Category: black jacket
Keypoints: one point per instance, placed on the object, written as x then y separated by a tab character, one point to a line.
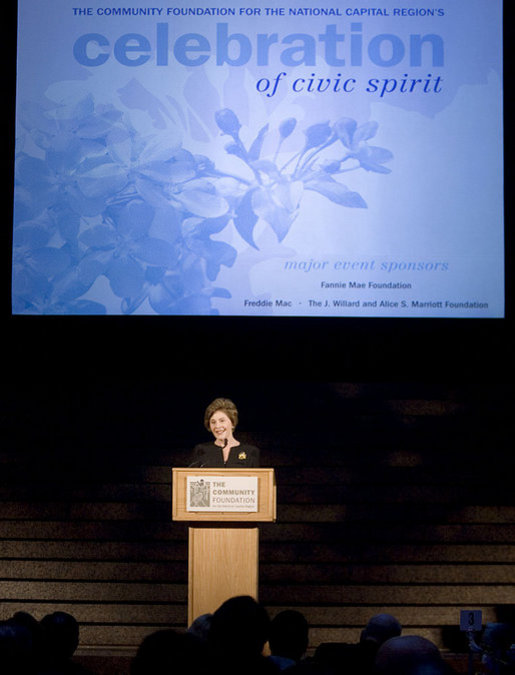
209	455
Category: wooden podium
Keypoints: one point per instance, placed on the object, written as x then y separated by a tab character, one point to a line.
223	551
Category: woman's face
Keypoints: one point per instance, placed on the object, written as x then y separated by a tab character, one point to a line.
220	425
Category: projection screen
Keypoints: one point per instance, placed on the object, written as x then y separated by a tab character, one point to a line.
319	159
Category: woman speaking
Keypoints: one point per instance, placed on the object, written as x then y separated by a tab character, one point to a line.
221	418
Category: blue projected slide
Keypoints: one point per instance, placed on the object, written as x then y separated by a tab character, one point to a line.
317	159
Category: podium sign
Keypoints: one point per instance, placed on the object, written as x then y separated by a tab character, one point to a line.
213	494
264	479
223	552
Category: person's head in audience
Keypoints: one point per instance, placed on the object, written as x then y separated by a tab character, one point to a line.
239	629
409	655
169	652
380	628
360	657
16	648
27	620
496	641
59	637
288	636
200	626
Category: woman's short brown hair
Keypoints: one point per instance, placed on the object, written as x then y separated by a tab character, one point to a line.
226	406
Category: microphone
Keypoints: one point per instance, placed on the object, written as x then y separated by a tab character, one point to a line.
225	442
197	463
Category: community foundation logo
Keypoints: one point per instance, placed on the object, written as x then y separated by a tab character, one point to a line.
200	493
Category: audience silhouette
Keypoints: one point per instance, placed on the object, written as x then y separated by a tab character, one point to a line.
16	649
59	640
288	638
240	628
410	655
29	647
359	657
232	640
170	652
200	626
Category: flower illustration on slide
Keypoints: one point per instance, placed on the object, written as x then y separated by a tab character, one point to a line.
99	204
275	192
109	219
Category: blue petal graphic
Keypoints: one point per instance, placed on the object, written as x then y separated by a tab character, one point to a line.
336	192
126	277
